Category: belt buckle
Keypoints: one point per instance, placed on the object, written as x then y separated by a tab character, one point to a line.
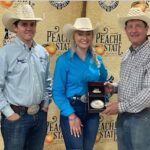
33	109
83	98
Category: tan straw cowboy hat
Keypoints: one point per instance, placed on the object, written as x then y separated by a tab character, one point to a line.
134	13
23	12
81	24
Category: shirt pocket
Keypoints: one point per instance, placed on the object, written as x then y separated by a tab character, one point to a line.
21	65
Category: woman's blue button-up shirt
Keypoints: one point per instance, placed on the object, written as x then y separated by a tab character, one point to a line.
71	76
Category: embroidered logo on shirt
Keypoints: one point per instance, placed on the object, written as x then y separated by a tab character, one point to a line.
21	60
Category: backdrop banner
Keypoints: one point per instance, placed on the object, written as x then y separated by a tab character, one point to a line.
49	34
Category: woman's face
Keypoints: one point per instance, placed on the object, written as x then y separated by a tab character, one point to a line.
83	39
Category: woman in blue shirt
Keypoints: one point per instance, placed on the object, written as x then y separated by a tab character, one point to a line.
73	70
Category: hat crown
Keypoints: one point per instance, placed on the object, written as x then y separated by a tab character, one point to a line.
24	11
83	24
135	12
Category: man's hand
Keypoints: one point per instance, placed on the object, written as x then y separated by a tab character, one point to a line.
111	108
13	117
45	109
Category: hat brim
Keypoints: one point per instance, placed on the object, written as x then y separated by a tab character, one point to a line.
68	30
123	20
8	20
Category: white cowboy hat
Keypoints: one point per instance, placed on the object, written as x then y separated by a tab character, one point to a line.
81	24
134	13
23	12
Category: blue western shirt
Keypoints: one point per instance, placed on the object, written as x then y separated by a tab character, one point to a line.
24	76
71	76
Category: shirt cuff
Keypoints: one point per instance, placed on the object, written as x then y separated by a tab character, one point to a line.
67	113
46	103
121	107
115	87
7	111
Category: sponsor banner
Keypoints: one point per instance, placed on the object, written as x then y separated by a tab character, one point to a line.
110	42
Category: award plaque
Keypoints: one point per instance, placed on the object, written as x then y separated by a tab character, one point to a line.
96	97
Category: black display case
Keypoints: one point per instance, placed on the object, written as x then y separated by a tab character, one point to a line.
96	97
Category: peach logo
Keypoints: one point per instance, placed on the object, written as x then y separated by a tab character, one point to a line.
49	138
51	48
6	3
140	4
99	49
98	137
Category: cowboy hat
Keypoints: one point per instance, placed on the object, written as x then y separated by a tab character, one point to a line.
134	13
23	12
80	24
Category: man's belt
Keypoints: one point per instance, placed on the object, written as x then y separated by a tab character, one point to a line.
82	98
31	110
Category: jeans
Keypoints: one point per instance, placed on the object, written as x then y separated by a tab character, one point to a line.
90	123
26	133
133	131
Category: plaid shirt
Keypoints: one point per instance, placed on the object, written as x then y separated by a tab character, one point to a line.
134	84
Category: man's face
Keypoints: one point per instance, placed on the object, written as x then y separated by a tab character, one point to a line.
25	30
136	31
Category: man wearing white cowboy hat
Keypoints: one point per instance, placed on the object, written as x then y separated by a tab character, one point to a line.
24	84
73	70
133	106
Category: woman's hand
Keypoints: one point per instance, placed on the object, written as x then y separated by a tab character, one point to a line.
75	125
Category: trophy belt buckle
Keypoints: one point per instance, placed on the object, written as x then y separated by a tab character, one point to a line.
82	98
33	109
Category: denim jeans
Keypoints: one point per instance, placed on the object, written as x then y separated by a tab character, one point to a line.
89	130
26	133
133	131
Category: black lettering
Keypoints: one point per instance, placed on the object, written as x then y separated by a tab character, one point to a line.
48	35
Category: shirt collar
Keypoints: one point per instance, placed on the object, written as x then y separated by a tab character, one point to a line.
21	43
73	52
138	48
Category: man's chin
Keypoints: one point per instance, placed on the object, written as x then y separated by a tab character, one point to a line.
29	38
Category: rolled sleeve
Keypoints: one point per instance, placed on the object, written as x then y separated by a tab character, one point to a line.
7	111
121	107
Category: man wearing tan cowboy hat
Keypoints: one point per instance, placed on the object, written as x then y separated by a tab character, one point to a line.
133	106
24	84
73	70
